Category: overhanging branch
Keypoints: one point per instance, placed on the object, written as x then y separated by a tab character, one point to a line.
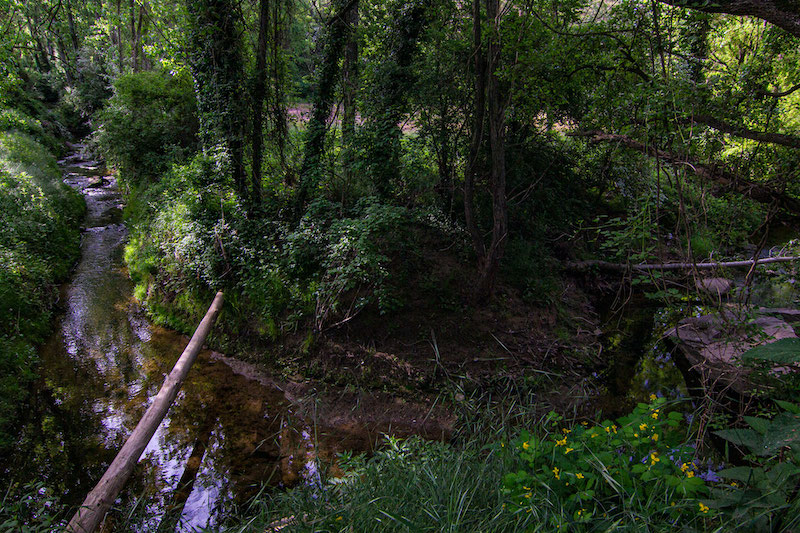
757	191
782	139
777	12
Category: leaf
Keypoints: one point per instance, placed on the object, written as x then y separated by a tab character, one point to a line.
784	431
781	473
783	351
788	406
743	437
745	474
759	424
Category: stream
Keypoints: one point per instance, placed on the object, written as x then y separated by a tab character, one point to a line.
229	432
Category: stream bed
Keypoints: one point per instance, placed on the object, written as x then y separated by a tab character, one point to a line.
229	432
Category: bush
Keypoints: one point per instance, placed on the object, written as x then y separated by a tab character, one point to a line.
149	123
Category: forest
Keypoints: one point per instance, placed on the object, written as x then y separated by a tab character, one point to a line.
519	265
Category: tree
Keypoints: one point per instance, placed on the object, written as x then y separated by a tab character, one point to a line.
217	68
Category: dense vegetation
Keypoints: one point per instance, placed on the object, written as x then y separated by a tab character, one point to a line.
39	218
370	177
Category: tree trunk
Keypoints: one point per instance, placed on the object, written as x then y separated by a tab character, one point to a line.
65	61
471	171
120	51
139	33
72	32
350	86
134	38
395	78
278	83
496	119
336	33
259	90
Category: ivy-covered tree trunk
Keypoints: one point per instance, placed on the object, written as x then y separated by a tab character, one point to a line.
335	36
389	98
259	92
216	63
350	86
280	14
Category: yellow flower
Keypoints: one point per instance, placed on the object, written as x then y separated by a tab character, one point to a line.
684	467
555	473
528	495
642	427
614	429
608	430
568	450
525	445
338	518
562	442
734	484
655	437
635	434
690	474
703	508
654	458
655	414
584	423
653	397
579	475
565	430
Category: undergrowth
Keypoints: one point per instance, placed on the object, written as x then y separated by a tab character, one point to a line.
39	239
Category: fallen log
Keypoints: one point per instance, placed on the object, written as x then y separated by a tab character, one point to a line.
580	266
100	499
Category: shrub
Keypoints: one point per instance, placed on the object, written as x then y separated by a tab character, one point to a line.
149	123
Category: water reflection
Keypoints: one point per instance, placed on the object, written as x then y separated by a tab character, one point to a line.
225	435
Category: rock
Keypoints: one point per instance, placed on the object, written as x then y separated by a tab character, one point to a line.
716	287
711	345
97	182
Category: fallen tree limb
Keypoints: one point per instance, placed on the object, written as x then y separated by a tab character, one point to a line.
580	266
724	177
99	500
783	139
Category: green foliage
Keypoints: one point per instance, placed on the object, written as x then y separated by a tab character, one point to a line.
190	237
31	508
763	495
408	485
642	465
148	124
39	241
783	352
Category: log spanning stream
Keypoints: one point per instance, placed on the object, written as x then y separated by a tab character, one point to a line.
227	433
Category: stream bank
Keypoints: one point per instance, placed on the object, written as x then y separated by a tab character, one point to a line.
232	428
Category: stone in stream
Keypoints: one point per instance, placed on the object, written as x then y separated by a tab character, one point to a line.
709	347
96	182
716	287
